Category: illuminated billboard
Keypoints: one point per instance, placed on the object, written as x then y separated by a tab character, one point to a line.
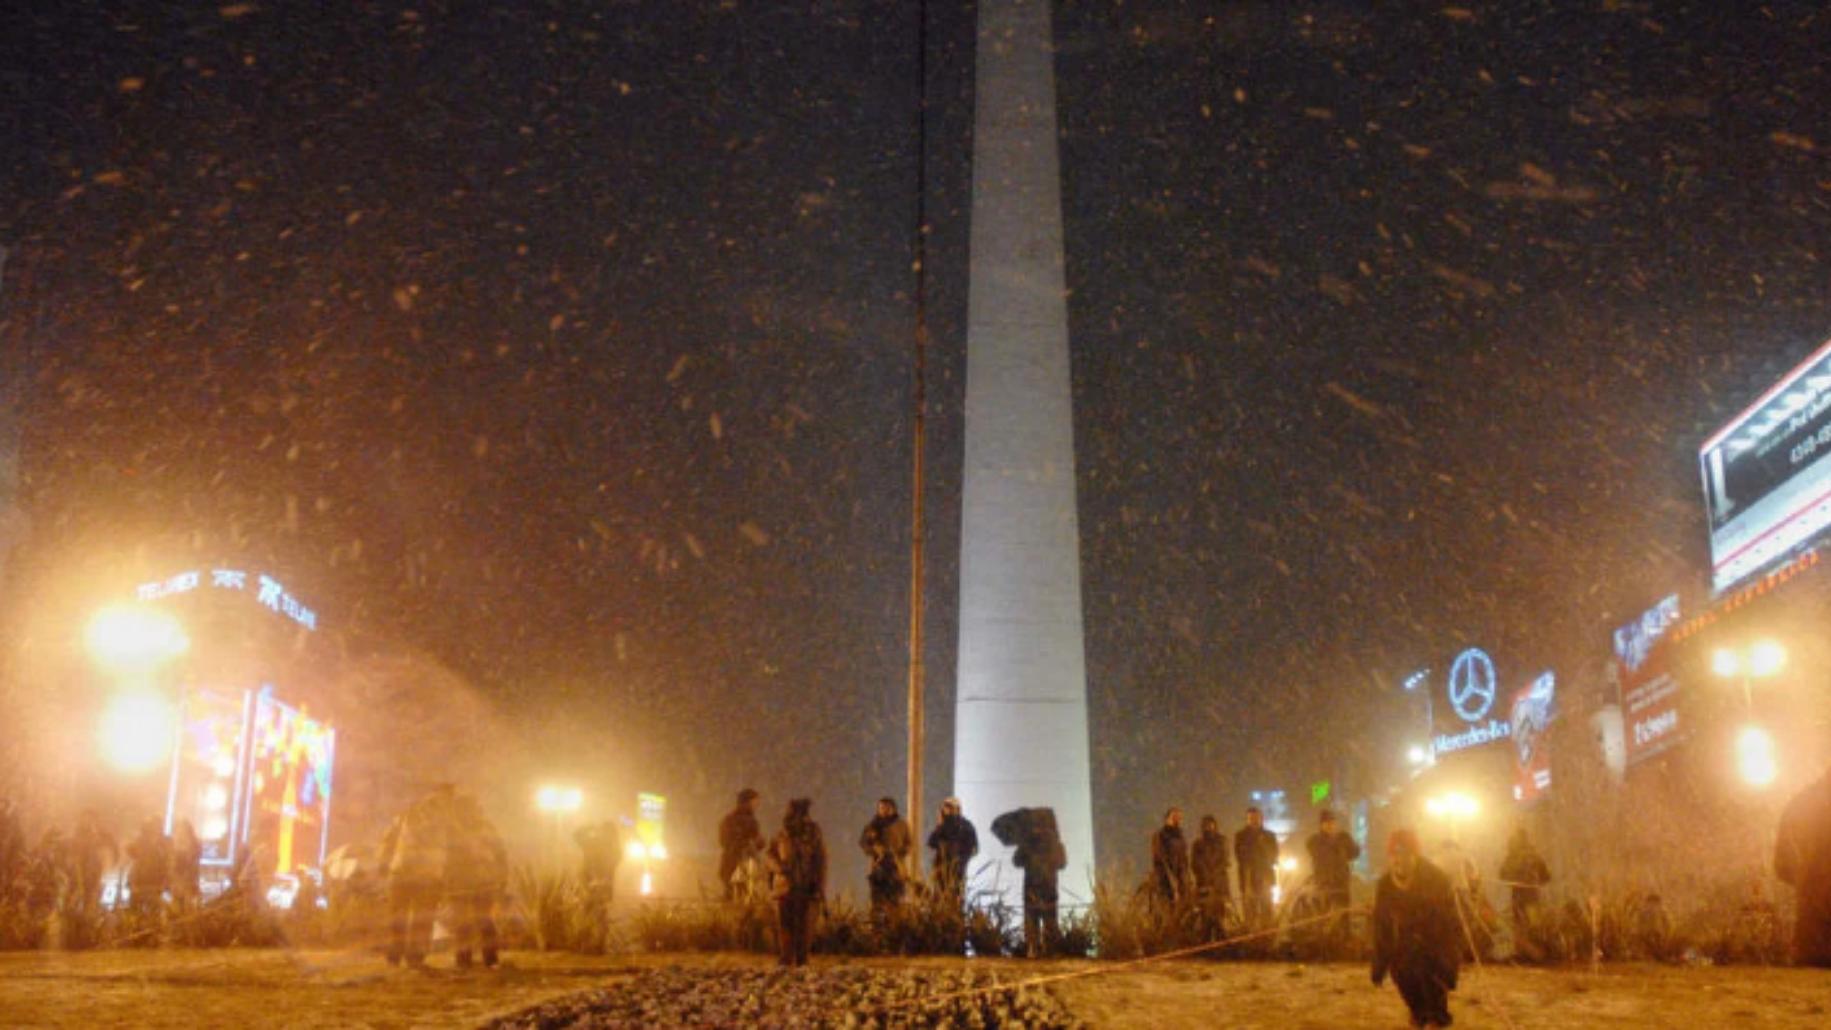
207	770
1534	707
288	796
1767	474
1468	714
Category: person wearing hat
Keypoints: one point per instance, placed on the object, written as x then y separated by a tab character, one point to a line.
1416	936
954	842
739	839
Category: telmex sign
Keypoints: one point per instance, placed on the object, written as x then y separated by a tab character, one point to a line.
1767	474
267	591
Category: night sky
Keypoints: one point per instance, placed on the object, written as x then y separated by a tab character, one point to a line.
568	344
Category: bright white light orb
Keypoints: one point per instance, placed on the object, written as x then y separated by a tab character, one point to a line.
136	732
125	637
1757	759
1766	658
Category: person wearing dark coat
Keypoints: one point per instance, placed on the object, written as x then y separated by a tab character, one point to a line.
1802	858
888	844
1416	939
1523	871
92	851
1332	852
1208	865
797	862
151	869
1042	857
1170	859
740	838
954	842
1255	850
187	865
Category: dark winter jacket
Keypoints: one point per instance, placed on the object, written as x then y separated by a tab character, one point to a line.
1170	862
477	862
739	837
954	842
1255	848
797	860
1039	853
1802	857
1208	861
151	856
1415	929
1330	856
888	844
1525	871
600	853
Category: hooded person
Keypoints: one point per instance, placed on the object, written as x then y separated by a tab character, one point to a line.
797	862
1170	859
476	877
888	844
1416	939
954	842
1802	858
740	838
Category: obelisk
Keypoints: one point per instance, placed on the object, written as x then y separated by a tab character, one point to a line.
1020	718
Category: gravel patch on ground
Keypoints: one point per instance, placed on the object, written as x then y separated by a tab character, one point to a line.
833	996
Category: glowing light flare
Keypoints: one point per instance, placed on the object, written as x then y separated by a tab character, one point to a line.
556	799
1288	864
658	851
136	732
1454	805
1416	755
648	883
1726	663
636	851
1766	658
1757	758
126	637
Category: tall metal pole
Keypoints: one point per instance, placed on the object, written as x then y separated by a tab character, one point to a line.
919	479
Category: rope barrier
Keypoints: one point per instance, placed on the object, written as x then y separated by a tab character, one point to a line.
1114	967
1469	935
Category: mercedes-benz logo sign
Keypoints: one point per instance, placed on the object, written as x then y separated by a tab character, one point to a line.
1471	684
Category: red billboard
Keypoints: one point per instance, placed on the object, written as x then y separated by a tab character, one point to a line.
1534	707
1649	691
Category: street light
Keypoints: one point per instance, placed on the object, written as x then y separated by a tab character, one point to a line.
129	638
136	731
556	800
1452	806
1416	755
1757	758
1762	659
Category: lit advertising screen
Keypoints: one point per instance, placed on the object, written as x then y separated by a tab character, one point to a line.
206	770
289	784
1534	707
1767	474
1469	710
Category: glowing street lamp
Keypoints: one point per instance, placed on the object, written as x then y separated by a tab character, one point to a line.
1416	755
1453	806
1762	659
556	800
136	731
1757	757
133	639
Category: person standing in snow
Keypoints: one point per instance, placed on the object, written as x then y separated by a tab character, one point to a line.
1802	858
797	861
1170	860
1255	849
1416	939
954	842
740	838
888	843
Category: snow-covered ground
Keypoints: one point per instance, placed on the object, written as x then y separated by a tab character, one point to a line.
343	989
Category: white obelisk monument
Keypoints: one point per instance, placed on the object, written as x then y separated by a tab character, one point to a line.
1020	729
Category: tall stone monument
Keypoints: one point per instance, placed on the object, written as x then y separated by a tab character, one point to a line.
1020	729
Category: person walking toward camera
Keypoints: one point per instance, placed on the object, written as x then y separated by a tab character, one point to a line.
1415	936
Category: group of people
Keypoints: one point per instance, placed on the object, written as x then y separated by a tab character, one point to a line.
443	851
68	874
1197	874
791	867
